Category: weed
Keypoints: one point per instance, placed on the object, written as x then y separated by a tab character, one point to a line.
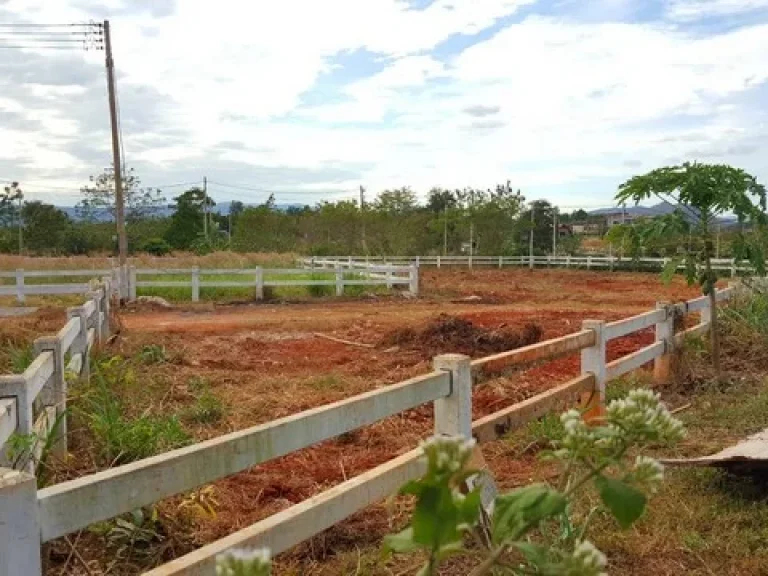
207	409
198	384
133	534
153	354
119	438
21	357
201	502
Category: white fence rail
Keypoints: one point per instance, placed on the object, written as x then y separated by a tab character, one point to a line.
194	279
259	278
732	266
32	517
59	356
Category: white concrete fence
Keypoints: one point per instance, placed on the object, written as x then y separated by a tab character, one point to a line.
35	401
30	517
128	283
731	266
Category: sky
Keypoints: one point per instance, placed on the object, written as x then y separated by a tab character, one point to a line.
310	99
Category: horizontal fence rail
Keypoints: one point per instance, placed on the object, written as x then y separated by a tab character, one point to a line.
46	376
338	277
63	508
146	481
732	266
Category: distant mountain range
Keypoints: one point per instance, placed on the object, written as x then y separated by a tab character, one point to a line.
660	209
164	211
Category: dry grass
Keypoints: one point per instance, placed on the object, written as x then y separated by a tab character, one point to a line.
176	260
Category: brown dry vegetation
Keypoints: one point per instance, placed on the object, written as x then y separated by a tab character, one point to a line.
262	361
177	260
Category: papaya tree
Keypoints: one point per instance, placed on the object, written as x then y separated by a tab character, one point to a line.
702	194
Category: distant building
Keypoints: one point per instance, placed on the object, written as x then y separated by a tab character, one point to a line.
586	228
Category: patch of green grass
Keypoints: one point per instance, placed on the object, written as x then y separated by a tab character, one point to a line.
20	358
118	437
327	382
184	293
207	409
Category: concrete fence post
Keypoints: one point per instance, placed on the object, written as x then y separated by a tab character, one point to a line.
568	261
260	281
413	277
106	306
195	284
438	261
453	414
418	262
665	332
132	283
339	280
19	529
453	417
15	386
80	345
593	361
733	267
589	262
706	314
96	298
55	392
388	274
20	297
501	262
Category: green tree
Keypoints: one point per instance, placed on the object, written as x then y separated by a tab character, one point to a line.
543	222
702	193
187	220
99	197
45	228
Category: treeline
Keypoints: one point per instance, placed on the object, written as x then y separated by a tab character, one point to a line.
496	221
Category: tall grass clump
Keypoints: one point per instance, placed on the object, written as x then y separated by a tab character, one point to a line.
118	437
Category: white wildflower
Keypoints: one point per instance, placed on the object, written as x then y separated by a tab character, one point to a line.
588	560
256	562
642	415
577	433
447	454
648	471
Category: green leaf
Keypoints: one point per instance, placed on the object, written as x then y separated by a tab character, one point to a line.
401	542
524	508
534	553
668	272
625	502
469	510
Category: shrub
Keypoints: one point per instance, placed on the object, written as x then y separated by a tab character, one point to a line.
156	247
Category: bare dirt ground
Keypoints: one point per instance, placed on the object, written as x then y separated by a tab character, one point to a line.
264	361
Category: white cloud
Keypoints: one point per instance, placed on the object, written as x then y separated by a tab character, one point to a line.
567	102
687	10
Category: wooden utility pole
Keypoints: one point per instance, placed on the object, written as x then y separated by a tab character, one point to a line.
122	239
362	219
530	242
554	232
21	224
445	231
205	206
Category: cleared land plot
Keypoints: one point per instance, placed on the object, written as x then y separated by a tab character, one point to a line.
258	362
